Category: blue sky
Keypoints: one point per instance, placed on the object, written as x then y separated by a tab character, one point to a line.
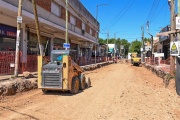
125	17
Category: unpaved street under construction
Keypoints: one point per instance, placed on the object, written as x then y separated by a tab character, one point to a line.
118	92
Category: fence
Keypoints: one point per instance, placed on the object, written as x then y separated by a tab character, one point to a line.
6	58
155	61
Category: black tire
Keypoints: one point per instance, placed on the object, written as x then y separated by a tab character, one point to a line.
82	81
44	91
75	85
88	82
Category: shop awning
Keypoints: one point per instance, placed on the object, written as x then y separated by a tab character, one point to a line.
167	33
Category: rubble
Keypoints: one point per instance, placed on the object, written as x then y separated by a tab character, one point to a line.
16	85
160	73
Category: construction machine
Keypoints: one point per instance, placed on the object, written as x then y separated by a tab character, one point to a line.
135	59
61	73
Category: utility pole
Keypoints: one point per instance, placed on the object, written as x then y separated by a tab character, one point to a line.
40	57
114	44
18	38
142	46
172	58
120	48
97	26
37	27
66	22
147	25
107	44
177	83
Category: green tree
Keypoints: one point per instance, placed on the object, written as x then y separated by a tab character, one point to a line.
118	42
136	46
147	39
101	41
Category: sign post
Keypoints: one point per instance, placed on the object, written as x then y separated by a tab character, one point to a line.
66	46
178	23
174	48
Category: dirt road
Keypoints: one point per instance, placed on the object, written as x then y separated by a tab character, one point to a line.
118	92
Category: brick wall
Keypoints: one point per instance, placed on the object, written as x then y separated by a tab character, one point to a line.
87	29
63	13
93	32
78	23
46	4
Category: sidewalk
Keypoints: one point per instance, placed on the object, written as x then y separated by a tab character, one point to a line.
86	67
163	67
7	77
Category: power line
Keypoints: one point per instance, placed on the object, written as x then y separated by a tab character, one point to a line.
118	16
155	10
158	12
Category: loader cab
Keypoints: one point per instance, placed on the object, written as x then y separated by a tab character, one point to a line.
57	55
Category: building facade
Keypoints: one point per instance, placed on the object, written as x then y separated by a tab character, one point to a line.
165	42
82	27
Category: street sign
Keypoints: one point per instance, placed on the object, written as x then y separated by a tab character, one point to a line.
141	49
178	23
174	48
122	46
147	48
19	19
66	45
158	54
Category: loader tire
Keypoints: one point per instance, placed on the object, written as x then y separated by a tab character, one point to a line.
75	85
82	81
45	91
88	82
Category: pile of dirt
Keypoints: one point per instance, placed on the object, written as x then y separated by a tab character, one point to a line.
13	86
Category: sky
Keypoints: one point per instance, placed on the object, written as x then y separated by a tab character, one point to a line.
125	18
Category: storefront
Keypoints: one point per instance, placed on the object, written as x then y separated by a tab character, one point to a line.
58	44
7	48
33	50
33	47
7	38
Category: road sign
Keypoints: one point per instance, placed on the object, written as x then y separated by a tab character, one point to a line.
158	54
19	19
177	22
66	45
141	49
174	48
122	46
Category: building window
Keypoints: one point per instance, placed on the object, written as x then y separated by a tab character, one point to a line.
90	31
58	44
55	9
33	47
72	20
83	26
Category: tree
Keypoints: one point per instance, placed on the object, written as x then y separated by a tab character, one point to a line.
101	41
118	42
136	46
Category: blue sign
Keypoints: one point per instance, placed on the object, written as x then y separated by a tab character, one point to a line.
66	45
7	31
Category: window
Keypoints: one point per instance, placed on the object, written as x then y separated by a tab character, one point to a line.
83	26
55	9
72	20
90	31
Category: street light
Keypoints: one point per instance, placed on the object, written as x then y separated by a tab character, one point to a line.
107	45
114	42
97	26
147	25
